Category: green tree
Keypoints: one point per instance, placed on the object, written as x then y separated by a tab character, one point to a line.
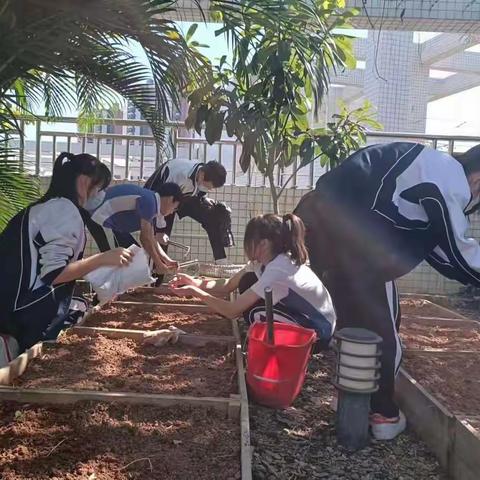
282	59
74	54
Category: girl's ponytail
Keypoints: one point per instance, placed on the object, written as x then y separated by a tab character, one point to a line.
294	238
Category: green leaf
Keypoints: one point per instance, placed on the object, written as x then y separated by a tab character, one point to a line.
214	127
191	32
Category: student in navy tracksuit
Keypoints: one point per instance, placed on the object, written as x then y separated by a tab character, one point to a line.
376	217
126	208
196	180
41	252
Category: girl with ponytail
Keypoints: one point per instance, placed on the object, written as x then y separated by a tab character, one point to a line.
41	252
275	247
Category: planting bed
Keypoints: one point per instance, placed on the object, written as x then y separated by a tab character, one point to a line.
424	308
151	317
123	365
452	378
438	335
97	441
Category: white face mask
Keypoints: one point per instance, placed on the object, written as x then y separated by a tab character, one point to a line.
203	188
95	201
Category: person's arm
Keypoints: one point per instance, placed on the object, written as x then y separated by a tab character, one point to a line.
147	238
456	256
217	287
223	307
118	257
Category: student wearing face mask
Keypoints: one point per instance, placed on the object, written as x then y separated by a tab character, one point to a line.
41	253
196	179
123	209
277	253
373	219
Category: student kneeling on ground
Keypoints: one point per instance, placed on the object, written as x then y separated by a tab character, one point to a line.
277	253
128	208
41	252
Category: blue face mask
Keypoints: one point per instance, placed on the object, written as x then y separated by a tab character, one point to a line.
95	201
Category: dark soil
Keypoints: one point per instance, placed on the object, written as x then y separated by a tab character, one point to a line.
299	442
428	335
91	441
424	308
100	363
150	317
454	379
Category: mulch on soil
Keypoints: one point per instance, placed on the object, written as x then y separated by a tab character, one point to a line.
427	335
299	442
91	441
454	379
143	296
424	308
150	317
100	363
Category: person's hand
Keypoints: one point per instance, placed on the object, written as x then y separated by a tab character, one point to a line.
182	280
186	291
117	257
163	238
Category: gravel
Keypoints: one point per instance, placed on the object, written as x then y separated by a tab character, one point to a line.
299	442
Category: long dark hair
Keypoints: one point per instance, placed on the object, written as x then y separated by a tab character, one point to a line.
67	168
286	234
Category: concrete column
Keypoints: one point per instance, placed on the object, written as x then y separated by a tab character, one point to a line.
398	85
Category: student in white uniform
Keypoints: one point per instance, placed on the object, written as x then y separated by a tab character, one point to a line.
196	179
41	253
277	253
125	209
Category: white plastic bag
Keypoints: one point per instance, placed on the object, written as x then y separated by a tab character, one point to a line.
108	282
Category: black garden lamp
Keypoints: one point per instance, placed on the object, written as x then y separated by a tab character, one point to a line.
356	378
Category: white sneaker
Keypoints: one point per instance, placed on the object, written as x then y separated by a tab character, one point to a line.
384	428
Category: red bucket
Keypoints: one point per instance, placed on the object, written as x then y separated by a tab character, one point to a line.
275	373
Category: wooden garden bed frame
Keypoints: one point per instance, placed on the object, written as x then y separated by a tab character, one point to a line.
452	438
235	407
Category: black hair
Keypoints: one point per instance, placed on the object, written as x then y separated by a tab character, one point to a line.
470	160
104	176
214	172
286	234
66	169
170	189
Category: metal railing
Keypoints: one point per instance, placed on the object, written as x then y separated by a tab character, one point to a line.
136	156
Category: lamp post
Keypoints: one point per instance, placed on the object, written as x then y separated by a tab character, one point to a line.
356	378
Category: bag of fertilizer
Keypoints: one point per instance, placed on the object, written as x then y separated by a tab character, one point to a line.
108	282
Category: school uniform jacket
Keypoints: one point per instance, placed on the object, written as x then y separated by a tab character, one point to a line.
37	244
180	171
398	204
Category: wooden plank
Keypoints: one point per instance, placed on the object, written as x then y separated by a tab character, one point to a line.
139	335
431	351
45	395
465	459
245	447
454	322
18	365
449	311
432	422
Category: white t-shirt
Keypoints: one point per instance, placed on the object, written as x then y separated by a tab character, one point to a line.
298	289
